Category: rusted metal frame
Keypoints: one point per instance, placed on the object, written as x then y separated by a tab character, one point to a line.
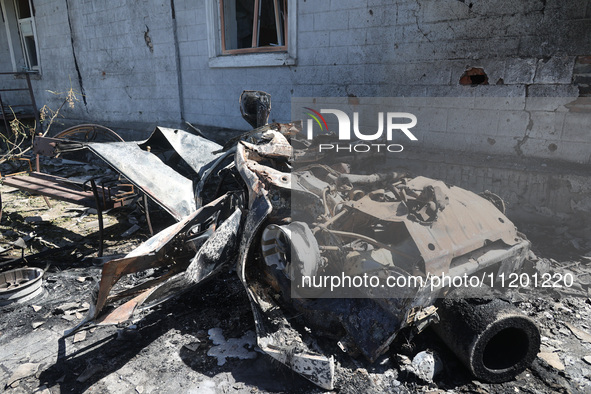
152	255
146	285
103	193
146	207
61	184
99	211
4	114
38	184
78	128
113	271
33	102
21	172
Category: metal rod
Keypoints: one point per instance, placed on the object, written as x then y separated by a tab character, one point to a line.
4	115
35	110
99	211
148	214
13	90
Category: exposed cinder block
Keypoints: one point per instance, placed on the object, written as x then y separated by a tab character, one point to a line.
552	91
333	20
306	22
555	70
313	7
316	38
443	10
428	73
375	47
348	37
519	70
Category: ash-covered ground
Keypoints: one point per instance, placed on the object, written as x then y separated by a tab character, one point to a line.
204	342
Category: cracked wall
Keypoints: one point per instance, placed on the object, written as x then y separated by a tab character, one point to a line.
148	63
416	48
119	55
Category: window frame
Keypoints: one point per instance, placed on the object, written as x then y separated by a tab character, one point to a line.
255	24
249	57
13	25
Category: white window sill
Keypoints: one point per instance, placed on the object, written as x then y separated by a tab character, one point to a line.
268	59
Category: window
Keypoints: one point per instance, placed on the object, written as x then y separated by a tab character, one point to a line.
19	19
250	33
27	34
253	25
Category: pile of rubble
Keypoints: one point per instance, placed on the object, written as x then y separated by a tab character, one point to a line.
219	290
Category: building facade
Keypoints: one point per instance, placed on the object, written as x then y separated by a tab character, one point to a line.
163	62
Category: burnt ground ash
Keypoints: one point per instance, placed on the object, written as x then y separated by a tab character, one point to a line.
166	350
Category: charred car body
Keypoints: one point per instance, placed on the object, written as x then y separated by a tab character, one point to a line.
286	225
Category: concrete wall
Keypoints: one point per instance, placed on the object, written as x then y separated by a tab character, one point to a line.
122	55
118	56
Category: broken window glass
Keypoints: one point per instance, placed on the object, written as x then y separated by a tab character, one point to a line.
253	25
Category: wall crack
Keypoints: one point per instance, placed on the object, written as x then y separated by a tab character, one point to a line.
74	55
522	141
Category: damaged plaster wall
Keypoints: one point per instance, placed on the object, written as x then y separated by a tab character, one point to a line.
410	48
424	48
130	59
119	54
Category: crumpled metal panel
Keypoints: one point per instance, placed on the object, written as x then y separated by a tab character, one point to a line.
156	252
278	340
196	151
168	188
165	186
455	232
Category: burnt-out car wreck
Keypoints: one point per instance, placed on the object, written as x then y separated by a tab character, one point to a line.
291	227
